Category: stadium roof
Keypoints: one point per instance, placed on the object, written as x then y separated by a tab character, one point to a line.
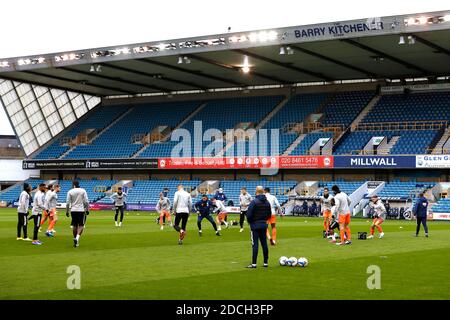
347	50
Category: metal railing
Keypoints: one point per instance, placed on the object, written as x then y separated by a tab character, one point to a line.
400	126
442	150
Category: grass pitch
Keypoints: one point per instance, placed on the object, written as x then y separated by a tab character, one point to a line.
138	261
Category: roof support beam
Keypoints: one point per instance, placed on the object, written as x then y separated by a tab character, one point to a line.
387	56
77	82
51	86
237	69
196	73
339	63
431	45
100	76
149	75
289	66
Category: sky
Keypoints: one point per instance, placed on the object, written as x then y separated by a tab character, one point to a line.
32	27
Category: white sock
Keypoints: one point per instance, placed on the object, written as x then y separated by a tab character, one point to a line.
219	228
77	237
226	223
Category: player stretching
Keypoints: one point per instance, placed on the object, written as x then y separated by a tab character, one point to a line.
182	206
77	205
244	200
325	201
51	198
379	215
342	213
163	207
46	211
203	207
119	202
274	207
221	213
36	213
22	213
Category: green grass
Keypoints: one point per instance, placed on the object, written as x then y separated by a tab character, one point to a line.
139	261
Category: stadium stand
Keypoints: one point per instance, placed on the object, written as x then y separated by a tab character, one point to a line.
12	194
116	141
409	142
344	107
339	108
398	108
345	186
311	138
147	191
95	188
296	110
219	114
99	119
442	206
402	190
411	107
280	189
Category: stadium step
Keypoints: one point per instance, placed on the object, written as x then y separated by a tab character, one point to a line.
262	123
364	112
438	149
294	144
101	132
180	125
389	145
272	113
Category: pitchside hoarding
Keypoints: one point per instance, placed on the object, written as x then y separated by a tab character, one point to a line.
433	161
280	162
91	164
377	162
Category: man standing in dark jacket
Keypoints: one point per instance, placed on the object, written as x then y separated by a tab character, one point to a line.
258	213
420	211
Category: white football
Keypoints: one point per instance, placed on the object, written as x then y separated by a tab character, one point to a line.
292	261
302	262
283	260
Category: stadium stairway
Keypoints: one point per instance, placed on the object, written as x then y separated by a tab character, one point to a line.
392	142
178	126
438	149
365	112
119	118
294	144
272	113
262	123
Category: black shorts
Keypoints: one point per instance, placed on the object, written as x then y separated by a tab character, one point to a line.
334	225
78	219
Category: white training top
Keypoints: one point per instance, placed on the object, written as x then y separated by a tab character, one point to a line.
274	204
378	208
51	199
182	202
244	201
326	202
119	199
77	200
163	204
342	202
220	207
38	203
24	202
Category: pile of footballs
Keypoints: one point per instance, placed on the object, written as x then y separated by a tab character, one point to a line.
293	262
